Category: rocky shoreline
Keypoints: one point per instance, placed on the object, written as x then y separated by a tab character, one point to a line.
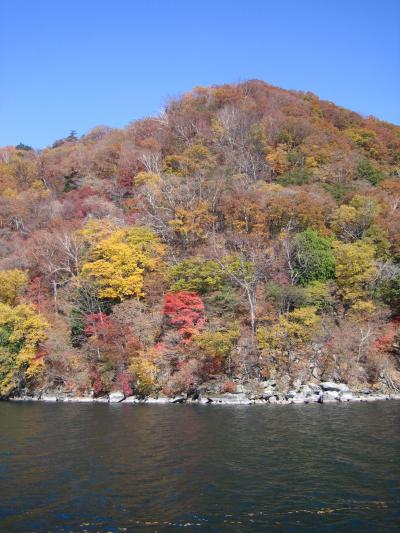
324	392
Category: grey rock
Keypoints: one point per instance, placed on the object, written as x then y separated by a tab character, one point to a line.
203	400
116	397
49	398
267	394
230	399
345	396
298	399
176	399
329	396
272	400
297	384
331	386
157	400
131	399
306	390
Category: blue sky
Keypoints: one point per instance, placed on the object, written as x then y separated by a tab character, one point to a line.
72	65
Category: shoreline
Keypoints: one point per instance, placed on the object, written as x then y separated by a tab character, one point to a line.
207	400
260	393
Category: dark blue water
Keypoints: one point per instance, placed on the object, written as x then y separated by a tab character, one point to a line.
112	468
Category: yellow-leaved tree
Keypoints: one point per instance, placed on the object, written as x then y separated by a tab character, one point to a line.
22	330
117	263
355	269
12	283
290	333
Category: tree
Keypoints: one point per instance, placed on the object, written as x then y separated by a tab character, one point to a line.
21	332
311	258
218	344
351	222
117	264
197	275
185	311
192	225
289	333
22	146
367	171
355	269
12	284
72	136
245	266
110	346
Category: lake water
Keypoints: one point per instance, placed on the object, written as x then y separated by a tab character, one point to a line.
112	468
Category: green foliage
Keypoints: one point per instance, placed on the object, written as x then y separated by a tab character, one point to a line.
285	297
367	171
297	176
291	331
318	294
197	275
217	343
77	327
25	147
71	181
312	257
224	302
337	190
389	292
235	265
352	221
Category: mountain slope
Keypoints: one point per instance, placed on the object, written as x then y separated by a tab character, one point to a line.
247	232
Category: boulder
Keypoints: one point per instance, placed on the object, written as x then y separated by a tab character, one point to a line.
49	398
345	396
331	386
175	399
374	398
329	396
203	400
298	399
101	399
116	397
315	397
152	400
272	399
306	390
229	398
131	399
267	394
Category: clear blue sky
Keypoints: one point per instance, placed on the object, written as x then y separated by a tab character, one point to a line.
79	63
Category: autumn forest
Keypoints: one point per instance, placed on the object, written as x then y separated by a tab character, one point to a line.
247	232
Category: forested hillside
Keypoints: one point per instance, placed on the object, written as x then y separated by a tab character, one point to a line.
247	232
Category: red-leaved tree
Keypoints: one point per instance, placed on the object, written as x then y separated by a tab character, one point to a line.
185	311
